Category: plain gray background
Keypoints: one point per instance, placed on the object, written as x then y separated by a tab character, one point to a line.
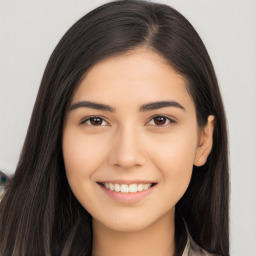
29	31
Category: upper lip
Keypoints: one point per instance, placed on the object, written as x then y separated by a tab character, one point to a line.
128	182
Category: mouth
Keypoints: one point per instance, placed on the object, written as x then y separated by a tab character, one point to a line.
126	188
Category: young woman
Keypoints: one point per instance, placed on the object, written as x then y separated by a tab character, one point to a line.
126	151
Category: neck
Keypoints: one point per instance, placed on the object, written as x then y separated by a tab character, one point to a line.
156	239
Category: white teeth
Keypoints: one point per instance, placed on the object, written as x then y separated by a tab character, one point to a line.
124	188
146	186
133	188
140	187
117	188
111	187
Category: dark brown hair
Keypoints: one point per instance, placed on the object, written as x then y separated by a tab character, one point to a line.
39	215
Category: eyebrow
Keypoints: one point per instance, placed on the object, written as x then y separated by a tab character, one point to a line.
160	104
89	104
143	108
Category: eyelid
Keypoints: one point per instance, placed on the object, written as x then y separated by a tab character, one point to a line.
84	120
170	119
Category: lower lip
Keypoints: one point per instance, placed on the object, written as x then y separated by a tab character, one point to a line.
129	198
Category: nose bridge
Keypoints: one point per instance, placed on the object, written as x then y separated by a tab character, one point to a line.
127	150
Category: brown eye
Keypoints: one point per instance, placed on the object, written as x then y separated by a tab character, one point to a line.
94	121
160	120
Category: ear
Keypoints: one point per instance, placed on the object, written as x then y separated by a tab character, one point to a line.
205	142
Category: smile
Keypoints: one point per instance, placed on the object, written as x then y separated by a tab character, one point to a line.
127	192
125	188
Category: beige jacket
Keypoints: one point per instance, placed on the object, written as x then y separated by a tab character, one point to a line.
193	249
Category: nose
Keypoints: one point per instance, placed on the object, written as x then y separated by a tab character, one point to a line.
126	151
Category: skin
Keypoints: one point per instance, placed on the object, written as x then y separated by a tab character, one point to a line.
131	145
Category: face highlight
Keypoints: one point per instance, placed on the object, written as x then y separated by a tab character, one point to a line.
130	140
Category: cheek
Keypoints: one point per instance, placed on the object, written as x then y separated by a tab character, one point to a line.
80	161
177	149
174	160
81	154
82	157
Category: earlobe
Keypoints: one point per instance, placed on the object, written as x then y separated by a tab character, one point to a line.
205	142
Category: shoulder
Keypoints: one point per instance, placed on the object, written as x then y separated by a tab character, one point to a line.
193	249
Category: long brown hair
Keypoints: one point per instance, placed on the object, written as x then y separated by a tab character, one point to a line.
39	215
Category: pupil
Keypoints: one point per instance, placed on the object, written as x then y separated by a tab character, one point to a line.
160	120
96	121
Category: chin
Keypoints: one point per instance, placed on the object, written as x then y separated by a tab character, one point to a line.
132	222
127	227
125	223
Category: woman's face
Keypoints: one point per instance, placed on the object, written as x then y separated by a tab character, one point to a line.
131	127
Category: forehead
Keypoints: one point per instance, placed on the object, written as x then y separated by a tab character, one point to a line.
135	77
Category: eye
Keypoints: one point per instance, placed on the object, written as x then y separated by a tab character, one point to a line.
161	121
94	121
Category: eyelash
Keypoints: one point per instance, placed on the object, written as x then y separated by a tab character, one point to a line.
171	121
